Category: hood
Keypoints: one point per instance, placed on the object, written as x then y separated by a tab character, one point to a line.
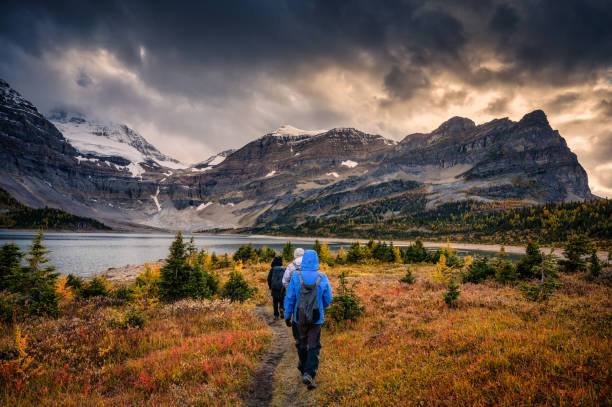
277	262
310	261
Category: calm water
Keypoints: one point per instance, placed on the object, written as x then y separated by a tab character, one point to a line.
86	253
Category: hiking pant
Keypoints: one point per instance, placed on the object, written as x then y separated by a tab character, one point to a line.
308	344
278	302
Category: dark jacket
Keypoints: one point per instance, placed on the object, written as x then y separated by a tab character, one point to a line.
276	274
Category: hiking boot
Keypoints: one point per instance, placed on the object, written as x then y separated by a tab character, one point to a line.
276	317
309	381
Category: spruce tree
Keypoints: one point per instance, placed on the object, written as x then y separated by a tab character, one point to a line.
450	296
576	249
35	281
10	260
594	266
179	279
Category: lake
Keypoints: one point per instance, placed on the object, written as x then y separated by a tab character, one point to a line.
87	253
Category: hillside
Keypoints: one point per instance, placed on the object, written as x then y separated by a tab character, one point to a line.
406	217
15	215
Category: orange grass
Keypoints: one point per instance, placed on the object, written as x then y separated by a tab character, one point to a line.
496	348
189	353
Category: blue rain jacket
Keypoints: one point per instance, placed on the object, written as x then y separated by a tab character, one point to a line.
309	270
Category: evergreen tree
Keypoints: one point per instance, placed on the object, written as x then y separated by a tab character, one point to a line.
35	281
179	279
525	268
10	261
288	252
451	296
479	270
577	247
594	266
237	288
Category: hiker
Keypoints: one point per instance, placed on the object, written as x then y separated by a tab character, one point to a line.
308	294
295	265
275	284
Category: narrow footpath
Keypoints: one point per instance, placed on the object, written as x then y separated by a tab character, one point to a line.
276	382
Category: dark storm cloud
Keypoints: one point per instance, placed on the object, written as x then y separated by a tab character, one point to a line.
220	73
552	37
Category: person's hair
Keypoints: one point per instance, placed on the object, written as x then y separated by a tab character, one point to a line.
278	261
298	252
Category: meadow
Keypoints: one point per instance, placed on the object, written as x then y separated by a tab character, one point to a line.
493	345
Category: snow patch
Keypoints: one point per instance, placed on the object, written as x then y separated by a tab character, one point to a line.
349	163
203	206
200	169
288	130
135	169
217	160
270	174
79	159
156	200
333	174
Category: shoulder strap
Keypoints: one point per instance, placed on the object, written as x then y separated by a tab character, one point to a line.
318	279
300	275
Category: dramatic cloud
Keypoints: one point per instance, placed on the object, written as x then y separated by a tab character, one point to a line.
200	77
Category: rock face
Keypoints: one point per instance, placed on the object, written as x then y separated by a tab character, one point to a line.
111	173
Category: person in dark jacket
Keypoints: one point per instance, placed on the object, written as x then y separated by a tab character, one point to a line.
275	284
308	334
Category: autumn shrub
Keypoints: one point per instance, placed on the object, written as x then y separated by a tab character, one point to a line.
408	277
123	293
478	271
97	286
76	282
539	291
134	318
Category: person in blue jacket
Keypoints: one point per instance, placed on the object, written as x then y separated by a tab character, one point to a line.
308	336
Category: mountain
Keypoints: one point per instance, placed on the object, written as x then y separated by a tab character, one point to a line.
109	172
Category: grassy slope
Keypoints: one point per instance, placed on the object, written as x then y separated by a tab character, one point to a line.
20	216
496	348
408	349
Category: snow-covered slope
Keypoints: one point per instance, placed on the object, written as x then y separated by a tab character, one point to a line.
212	161
288	130
107	139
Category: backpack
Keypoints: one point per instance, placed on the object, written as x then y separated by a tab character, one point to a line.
308	306
277	279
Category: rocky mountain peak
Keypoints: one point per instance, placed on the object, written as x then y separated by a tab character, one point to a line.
535	118
10	98
455	125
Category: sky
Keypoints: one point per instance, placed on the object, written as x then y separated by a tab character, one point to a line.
196	78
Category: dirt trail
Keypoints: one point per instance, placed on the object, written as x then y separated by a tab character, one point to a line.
276	382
